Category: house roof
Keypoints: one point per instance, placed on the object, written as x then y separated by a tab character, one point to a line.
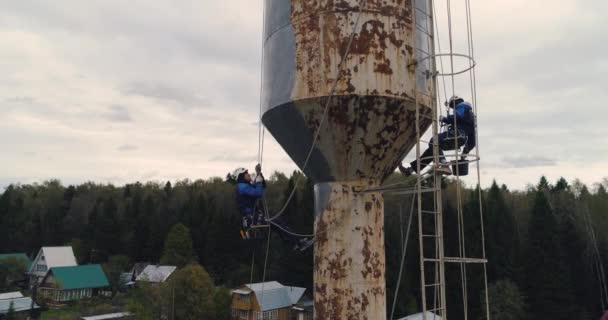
139	267
10	295
23	256
273	295
19	304
418	316
57	257
153	273
80	277
117	315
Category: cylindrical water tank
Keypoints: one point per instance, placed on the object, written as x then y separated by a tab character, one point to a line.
370	121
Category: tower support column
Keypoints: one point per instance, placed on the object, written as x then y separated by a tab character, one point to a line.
349	260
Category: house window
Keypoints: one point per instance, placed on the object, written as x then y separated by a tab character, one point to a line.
243	297
243	314
267	315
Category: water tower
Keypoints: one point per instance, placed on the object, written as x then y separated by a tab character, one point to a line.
368	128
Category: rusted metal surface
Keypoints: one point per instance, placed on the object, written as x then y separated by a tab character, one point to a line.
370	122
349	252
369	128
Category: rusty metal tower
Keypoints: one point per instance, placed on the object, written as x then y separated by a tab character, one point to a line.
342	94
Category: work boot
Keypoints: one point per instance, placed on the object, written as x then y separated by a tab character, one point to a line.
443	168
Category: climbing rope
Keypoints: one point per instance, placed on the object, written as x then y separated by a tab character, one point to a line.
473	81
597	259
403	255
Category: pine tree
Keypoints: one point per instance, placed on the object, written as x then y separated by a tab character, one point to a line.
178	247
544	277
501	241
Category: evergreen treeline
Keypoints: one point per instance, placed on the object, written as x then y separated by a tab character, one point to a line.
546	245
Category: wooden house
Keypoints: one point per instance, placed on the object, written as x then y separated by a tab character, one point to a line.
269	301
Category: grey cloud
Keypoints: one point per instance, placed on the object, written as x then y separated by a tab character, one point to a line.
184	97
527	161
127	147
233	158
21	100
177	34
119	113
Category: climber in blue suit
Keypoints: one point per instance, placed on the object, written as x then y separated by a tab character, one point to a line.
248	192
461	127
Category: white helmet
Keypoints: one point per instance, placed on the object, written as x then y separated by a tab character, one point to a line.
453	99
238	171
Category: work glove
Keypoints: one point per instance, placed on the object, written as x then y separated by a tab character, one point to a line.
443	119
259	178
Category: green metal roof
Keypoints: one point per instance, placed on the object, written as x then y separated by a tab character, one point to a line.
80	277
17	256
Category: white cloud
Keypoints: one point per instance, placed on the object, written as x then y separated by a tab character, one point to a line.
100	90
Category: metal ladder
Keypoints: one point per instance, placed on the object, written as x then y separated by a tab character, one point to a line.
432	260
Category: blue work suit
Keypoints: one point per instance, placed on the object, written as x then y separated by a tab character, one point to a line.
247	195
465	136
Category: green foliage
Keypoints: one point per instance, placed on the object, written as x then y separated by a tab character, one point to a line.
539	238
222	300
192	294
115	266
544	272
11	270
79	250
147	301
501	239
178	247
506	301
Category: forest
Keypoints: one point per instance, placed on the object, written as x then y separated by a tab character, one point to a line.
546	245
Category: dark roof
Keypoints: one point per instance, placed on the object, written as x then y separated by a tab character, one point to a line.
80	277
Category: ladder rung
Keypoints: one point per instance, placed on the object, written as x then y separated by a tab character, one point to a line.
425	190
436	309
433	284
259	226
431	212
464	260
457	260
431	236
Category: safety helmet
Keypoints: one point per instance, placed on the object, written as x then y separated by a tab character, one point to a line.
238	172
454	99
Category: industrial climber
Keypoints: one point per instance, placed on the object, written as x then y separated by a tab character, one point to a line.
248	191
460	127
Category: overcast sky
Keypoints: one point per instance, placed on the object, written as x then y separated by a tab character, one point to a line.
120	91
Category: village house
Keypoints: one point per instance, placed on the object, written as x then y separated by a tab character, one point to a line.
21	306
155	274
270	301
62	284
50	257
